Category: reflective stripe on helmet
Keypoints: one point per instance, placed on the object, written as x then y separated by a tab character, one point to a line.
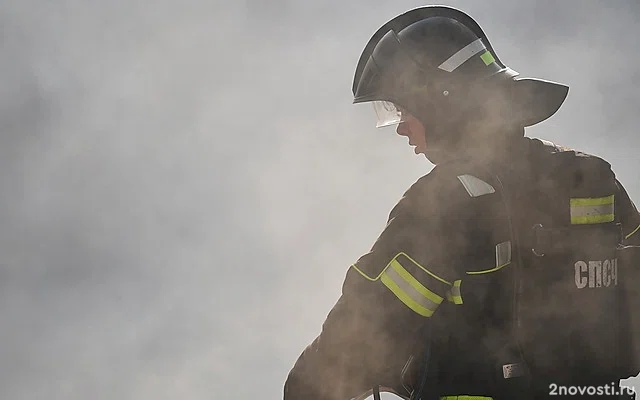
592	210
487	57
463	55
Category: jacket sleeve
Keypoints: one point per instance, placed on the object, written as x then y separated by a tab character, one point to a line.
629	216
630	261
387	296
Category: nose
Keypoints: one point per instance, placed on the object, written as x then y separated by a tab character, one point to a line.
402	130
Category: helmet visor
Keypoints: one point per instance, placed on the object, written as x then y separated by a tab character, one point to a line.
387	113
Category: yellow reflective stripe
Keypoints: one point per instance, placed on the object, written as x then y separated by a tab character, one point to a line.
422	268
486	271
594	210
503	258
592	219
487	57
367	277
474	398
592	201
632	232
414	283
407	288
456	296
405	298
410	291
401	254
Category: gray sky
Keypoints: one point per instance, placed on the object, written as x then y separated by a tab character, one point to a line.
184	184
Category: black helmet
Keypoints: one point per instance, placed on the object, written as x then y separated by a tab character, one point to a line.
437	63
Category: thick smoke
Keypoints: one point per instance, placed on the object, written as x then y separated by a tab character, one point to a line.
185	185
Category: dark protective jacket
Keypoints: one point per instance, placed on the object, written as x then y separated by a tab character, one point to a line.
437	276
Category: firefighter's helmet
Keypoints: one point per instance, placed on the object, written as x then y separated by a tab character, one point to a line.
437	63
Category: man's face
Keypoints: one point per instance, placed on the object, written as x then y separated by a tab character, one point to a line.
412	128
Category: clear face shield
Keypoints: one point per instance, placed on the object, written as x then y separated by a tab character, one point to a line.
387	113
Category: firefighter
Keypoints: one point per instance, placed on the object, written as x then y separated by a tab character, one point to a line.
447	303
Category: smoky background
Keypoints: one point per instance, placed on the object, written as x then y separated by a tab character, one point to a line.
184	184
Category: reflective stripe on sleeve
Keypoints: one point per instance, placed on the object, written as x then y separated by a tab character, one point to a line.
592	210
410	291
408	281
456	295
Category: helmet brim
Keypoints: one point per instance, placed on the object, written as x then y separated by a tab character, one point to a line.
535	100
